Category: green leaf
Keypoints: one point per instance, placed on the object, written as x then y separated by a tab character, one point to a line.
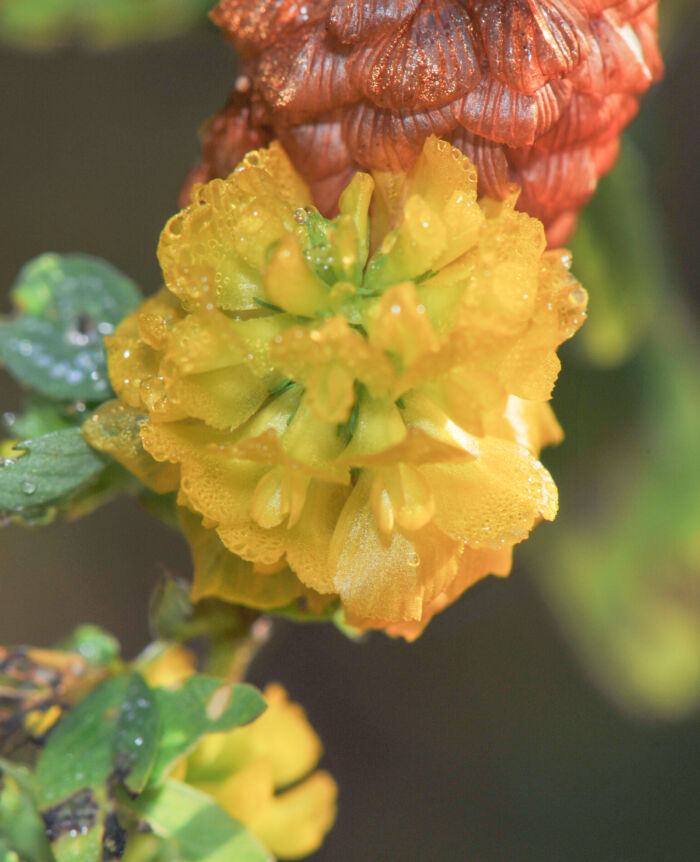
623	578
107	23
201	829
109	738
66	305
620	569
202	705
79	753
55	468
136	737
618	257
20	824
93	643
39	418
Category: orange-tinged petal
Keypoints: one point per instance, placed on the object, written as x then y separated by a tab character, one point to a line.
495	499
474	564
387	576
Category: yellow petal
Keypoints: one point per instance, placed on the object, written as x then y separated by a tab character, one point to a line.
157	317
410	250
473	565
295	823
494	500
114	429
165	664
290	283
218	486
446	179
400	326
468	395
220	574
306	354
281	737
379	429
224	398
387	576
308	541
417	447
213	251
244	794
203	342
532	424
531	366
353	205
130	360
409	494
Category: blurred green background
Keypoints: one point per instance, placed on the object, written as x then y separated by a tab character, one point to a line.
550	716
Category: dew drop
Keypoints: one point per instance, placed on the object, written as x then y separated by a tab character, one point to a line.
28	487
413	560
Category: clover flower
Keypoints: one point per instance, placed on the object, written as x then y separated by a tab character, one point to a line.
351	408
535	92
264	774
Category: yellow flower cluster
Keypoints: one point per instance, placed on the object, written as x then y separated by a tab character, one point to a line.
349	408
264	774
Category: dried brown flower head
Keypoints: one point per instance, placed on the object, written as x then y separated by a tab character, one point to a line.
535	92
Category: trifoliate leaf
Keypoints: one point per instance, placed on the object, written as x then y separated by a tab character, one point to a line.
107	735
201	829
55	468
202	705
109	738
66	304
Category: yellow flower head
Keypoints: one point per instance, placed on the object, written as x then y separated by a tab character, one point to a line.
349	408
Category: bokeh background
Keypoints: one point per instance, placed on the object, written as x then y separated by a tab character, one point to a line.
549	717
